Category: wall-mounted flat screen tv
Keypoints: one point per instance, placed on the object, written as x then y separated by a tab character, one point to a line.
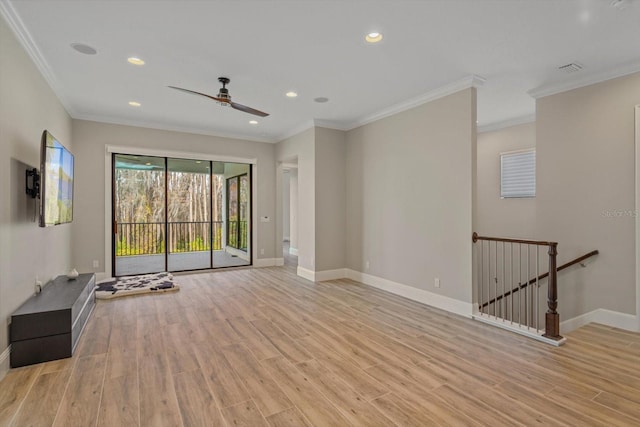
56	182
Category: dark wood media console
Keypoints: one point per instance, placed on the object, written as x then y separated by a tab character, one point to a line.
48	325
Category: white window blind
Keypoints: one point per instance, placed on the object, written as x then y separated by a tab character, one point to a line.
518	174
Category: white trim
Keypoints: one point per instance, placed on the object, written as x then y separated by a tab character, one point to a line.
4	362
604	317
451	305
293	251
524	150
140	151
521	330
340	273
172	128
564	86
306	274
441	92
503	124
268	262
31	48
637	173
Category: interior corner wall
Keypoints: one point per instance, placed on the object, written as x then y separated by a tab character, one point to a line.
27	107
330	191
586	192
410	194
91	141
302	147
286	205
496	216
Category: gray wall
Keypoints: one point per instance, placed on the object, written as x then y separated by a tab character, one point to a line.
585	178
496	216
410	194
330	156
92	138
27	107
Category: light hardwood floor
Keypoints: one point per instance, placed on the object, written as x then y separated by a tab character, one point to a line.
263	347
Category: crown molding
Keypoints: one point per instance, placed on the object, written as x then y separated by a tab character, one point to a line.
441	92
515	121
564	86
18	28
157	126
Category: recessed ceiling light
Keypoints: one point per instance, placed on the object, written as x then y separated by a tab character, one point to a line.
291	94
253	122
321	99
135	61
373	37
83	48
134	103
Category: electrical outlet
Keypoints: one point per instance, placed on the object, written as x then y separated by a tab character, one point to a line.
366	264
96	263
436	282
262	251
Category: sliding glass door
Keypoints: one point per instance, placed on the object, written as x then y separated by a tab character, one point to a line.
179	214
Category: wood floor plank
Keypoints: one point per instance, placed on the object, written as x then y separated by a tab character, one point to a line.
81	400
41	404
285	345
254	340
158	401
352	405
120	404
245	414
224	383
402	412
15	386
291	417
315	407
197	405
267	395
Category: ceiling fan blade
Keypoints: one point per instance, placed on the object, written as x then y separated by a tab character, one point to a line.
249	110
199	93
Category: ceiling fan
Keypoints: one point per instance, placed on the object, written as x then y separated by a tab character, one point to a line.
223	98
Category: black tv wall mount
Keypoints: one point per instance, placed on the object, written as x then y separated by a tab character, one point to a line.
33	190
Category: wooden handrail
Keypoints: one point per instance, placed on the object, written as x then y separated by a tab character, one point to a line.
540	277
475	237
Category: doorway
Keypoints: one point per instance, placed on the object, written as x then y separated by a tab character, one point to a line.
175	214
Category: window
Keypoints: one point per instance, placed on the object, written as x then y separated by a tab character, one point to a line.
518	174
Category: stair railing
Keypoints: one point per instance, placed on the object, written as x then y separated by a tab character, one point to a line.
505	265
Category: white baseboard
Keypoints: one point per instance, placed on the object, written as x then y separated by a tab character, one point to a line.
340	273
4	362
420	295
293	251
614	319
268	262
306	274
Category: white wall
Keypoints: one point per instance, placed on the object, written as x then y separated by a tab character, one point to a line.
302	147
410	194
503	217
27	107
586	193
293	211
286	205
93	137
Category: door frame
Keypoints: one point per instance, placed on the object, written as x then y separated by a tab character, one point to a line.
137	151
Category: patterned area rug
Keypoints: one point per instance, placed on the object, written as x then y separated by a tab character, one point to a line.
134	285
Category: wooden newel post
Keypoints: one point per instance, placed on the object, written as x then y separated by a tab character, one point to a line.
552	319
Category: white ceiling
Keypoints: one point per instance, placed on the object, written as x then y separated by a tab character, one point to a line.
316	48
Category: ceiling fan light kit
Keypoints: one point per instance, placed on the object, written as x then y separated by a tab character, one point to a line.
224	99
